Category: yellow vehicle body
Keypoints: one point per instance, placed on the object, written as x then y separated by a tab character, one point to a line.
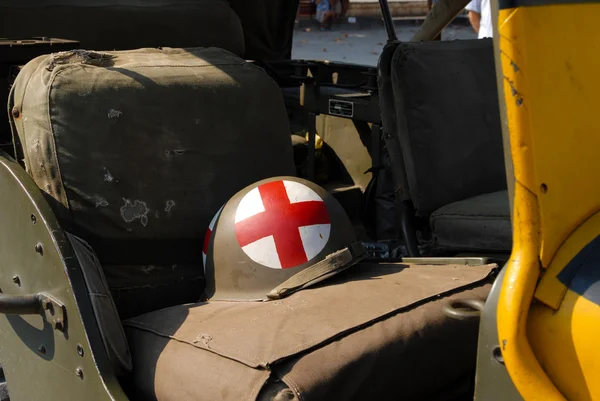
549	308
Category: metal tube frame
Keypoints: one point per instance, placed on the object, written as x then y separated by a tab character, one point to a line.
388	21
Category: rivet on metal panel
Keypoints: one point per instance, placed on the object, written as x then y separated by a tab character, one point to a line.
58	324
17	280
79	373
80	350
47	304
42	349
544	188
33	219
39	248
16	113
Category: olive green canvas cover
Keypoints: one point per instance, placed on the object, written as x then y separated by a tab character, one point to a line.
136	151
374	331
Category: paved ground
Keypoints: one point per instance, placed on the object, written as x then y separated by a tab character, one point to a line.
353	43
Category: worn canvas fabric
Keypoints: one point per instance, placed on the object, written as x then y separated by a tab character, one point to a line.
326	342
419	354
125	24
148	143
136	151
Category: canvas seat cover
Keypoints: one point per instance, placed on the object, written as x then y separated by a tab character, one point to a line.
146	145
373	330
126	24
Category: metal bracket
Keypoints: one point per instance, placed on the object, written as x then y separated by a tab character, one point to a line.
55	312
464	309
470	261
33	304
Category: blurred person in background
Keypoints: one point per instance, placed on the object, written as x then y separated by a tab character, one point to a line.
480	17
325	13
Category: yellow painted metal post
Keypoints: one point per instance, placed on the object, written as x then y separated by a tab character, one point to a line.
547	323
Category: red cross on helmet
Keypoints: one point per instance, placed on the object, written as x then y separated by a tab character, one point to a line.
275	237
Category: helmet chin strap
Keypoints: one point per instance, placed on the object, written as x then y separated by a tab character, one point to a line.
332	264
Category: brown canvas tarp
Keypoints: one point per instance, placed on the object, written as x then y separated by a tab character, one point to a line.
321	340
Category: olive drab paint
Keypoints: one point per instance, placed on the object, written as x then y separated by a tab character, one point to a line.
261	238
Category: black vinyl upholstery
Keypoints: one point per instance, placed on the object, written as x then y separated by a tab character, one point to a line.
439	105
448	120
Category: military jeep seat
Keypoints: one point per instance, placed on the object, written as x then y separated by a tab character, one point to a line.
442	104
142	147
126	24
135	151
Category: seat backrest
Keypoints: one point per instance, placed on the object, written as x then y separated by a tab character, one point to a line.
392	185
448	121
125	24
137	150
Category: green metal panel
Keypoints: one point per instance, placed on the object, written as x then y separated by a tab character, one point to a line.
492	382
40	361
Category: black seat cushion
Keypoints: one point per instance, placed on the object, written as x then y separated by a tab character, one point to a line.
481	223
